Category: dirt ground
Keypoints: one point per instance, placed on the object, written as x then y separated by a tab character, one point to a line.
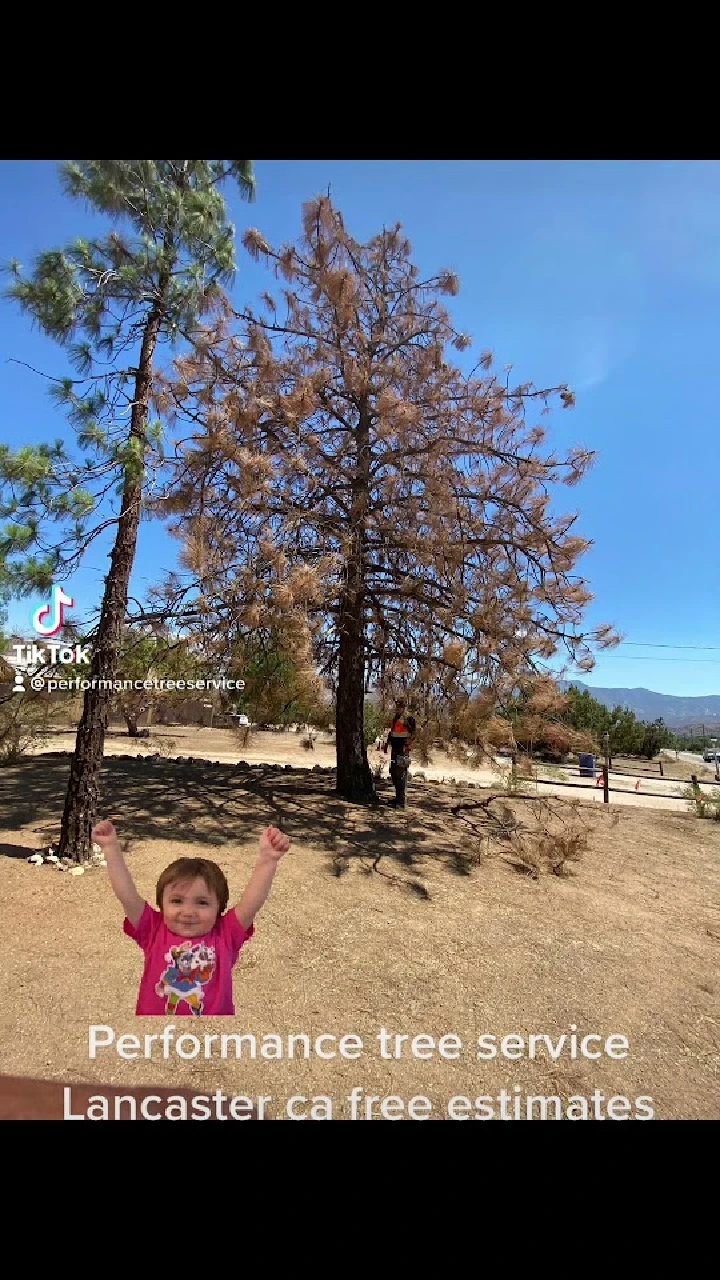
225	747
400	941
672	768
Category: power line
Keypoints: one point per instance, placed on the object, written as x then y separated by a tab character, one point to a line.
650	658
640	644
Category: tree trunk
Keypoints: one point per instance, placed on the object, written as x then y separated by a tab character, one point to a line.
131	721
354	776
81	799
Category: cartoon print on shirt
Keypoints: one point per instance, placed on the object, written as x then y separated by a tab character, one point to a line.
190	968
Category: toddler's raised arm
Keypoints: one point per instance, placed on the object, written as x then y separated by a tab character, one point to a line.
273	846
121	881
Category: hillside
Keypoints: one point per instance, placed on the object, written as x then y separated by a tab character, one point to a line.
678	713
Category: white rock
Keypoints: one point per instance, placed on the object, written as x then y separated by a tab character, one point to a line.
59	866
77	871
52	857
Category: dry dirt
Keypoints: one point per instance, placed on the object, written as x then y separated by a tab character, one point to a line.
626	946
225	747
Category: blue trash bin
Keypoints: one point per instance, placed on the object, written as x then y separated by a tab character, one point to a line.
587	765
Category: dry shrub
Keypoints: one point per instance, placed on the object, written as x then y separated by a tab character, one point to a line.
165	747
704	804
543	839
26	721
552	841
552	852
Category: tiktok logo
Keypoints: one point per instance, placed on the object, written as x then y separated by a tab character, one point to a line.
50	618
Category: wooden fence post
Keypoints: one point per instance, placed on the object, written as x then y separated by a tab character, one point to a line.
606	784
662	775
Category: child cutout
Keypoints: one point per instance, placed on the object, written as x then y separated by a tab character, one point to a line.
190	946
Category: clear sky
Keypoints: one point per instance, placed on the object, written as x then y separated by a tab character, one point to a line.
604	274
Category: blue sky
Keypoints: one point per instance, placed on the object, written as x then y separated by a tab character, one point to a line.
602	274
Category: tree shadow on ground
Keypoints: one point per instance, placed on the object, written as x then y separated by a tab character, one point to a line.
214	805
14	851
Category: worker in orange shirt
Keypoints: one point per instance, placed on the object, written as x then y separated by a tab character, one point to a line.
400	738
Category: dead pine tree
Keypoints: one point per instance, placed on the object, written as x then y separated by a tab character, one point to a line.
359	484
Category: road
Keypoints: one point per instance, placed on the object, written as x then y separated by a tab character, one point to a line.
691	756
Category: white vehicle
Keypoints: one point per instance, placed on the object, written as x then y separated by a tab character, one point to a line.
710	756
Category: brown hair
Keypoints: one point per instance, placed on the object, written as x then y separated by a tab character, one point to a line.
193	869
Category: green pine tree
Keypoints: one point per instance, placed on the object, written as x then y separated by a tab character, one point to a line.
110	302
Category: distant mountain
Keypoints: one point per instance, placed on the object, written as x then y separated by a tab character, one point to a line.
678	713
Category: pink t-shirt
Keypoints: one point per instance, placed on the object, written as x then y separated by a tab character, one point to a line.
187	976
